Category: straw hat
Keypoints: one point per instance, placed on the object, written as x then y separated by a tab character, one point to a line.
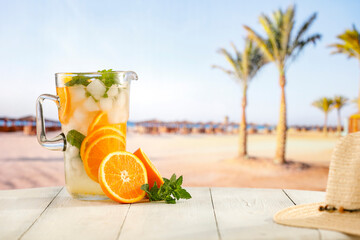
341	209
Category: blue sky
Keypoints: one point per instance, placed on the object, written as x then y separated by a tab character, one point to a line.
171	45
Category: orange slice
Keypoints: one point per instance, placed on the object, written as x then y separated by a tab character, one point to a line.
152	172
102	131
66	78
98	150
121	126
64	110
102	120
121	174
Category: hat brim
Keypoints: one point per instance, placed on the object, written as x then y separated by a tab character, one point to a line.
309	216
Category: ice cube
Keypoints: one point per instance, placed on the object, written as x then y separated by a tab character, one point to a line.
118	115
96	88
113	91
120	110
122	101
69	126
91	105
106	103
82	128
77	165
72	151
77	93
79	116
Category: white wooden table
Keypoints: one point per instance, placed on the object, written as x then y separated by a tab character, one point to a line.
212	213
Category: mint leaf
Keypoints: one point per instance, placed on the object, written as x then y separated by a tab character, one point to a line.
184	194
166	181
173	178
78	80
108	77
179	181
154	193
75	138
145	188
170	200
176	194
170	191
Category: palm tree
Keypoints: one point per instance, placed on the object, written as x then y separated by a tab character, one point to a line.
339	102
244	66
350	46
325	105
282	47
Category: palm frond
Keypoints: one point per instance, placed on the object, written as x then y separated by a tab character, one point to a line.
306	25
277	16
245	58
349	45
271	33
229	72
286	29
340	101
280	47
258	60
232	62
261	42
324	104
301	44
237	53
245	65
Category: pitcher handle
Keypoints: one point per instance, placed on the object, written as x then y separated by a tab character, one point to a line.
58	143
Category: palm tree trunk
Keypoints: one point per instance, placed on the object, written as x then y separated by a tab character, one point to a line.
281	127
242	130
338	122
325	124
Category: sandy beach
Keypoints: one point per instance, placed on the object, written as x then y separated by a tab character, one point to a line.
203	160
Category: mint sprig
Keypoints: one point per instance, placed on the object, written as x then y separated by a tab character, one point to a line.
78	80
108	77
170	191
75	138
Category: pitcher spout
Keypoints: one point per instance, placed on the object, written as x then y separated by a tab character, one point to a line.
130	75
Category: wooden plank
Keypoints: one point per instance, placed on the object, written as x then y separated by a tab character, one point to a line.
304	197
187	219
248	214
68	218
19	209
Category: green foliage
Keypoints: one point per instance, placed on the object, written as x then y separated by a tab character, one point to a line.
339	102
170	191
281	44
80	79
349	44
108	77
324	104
244	65
75	138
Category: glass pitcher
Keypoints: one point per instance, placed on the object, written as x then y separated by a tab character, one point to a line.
93	109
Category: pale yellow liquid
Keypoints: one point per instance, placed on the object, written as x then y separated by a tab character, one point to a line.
78	111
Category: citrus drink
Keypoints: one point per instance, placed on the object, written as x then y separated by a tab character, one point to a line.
89	111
